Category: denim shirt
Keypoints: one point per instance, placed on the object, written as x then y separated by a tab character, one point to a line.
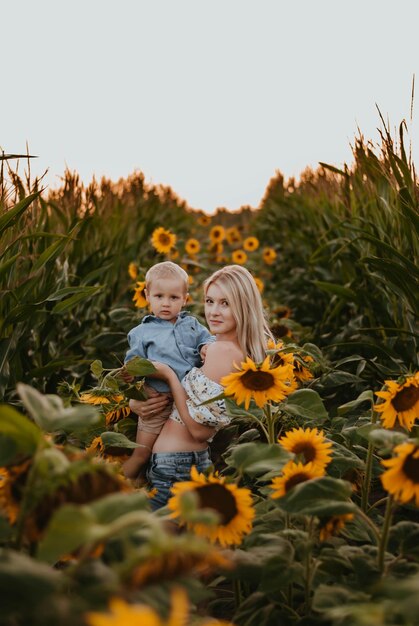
175	344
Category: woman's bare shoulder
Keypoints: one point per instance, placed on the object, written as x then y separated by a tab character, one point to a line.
221	358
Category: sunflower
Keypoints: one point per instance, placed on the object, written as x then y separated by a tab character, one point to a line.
402	477
282	311
259	284
251	244
308	444
121	613
12	484
163	240
100	396
259	382
401	402
302	373
239	257
280	330
139	298
269	255
180	557
217	234
204	220
292	475
329	526
231	503
96	447
192	246
233	235
117	413
133	270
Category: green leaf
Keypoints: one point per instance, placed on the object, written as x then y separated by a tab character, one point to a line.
139	366
96	368
4	267
386	439
113	506
19	437
330	596
323	497
257	459
338	290
69	303
305	403
49	413
9	217
365	396
117	440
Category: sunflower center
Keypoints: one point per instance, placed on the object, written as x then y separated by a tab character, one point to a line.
406	398
306	449
411	467
164	239
220	499
295	480
257	381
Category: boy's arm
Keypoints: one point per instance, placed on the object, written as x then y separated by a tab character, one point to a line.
136	344
203	336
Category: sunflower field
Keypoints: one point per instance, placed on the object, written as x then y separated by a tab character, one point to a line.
309	515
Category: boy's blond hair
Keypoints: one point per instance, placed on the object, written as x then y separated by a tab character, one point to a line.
166	269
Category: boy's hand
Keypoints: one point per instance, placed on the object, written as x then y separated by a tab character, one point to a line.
203	352
127	378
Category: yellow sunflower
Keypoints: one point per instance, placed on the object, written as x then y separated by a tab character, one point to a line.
96	447
292	475
402	477
259	284
163	240
239	257
329	526
302	372
180	557
139	298
280	330
12	485
117	413
204	220
259	382
269	255
233	235
100	396
232	504
121	614
401	402
133	270
309	445
217	234
282	311
251	244
192	246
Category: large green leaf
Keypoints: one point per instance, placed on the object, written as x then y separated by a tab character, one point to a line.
83	293
19	437
305	403
257	459
323	497
49	413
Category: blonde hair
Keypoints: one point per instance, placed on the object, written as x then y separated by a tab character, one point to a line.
245	301
166	269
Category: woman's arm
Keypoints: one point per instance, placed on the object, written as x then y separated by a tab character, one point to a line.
198	431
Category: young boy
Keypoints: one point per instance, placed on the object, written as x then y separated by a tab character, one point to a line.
168	335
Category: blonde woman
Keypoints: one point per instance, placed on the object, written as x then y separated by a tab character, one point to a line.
234	314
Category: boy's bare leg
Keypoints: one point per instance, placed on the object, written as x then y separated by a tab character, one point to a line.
139	456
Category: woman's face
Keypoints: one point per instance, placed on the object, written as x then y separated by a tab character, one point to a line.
218	314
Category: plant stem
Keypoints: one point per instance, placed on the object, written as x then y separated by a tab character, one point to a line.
237	592
384	533
270	423
368	469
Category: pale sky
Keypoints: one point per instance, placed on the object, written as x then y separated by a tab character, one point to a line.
210	97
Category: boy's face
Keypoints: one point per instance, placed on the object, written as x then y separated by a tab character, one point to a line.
166	296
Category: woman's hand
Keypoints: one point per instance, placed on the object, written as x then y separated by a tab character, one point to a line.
156	403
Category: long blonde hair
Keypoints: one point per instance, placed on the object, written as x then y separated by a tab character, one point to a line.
245	301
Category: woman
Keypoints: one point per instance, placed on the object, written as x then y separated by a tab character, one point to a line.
234	314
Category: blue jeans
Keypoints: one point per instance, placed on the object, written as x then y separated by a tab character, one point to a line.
166	468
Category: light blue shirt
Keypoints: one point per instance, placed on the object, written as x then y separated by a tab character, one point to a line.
175	344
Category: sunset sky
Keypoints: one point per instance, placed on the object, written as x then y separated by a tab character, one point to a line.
210	97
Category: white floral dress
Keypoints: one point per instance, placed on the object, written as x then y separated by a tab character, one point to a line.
199	388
